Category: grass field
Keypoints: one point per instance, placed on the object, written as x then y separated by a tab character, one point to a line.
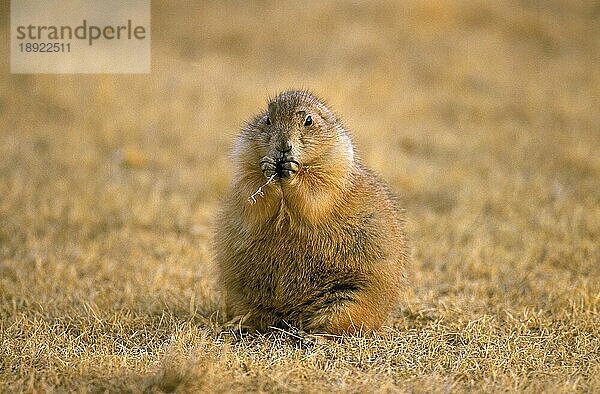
483	116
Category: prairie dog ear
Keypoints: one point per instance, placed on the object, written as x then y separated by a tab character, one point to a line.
272	107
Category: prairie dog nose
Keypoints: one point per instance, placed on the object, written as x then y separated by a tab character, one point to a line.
281	149
285	146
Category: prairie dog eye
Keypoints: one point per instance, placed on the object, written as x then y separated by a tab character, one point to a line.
268	121
308	121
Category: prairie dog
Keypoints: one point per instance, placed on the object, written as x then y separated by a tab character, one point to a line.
321	247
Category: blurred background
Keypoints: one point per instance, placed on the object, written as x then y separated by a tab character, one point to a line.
483	116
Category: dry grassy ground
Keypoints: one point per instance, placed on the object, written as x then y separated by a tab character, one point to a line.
484	117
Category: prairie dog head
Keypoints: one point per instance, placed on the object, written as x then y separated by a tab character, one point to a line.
297	135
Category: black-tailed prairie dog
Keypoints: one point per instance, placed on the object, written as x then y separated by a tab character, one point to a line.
307	236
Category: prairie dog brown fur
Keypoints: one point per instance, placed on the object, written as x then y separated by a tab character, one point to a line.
322	248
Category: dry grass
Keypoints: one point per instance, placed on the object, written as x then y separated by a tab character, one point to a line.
483	116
